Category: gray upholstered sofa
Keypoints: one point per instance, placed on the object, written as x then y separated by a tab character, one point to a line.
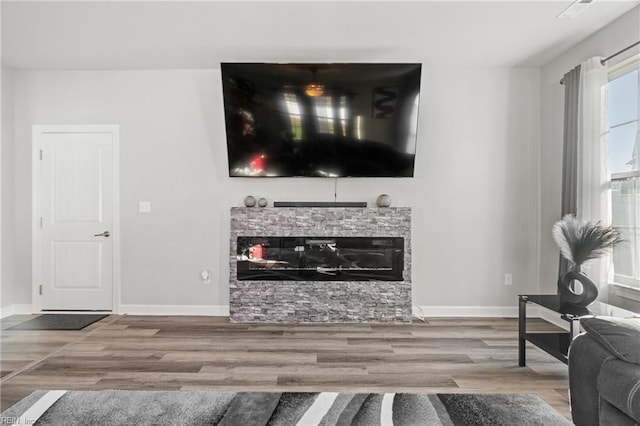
604	372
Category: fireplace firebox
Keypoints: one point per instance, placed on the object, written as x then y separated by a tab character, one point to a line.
320	258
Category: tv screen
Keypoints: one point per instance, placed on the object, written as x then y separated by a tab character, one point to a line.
324	120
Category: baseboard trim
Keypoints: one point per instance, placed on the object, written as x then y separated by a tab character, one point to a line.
201	310
466	311
549	316
488	312
16	309
223	311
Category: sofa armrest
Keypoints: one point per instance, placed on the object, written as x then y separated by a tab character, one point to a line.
620	336
610	415
586	357
619	385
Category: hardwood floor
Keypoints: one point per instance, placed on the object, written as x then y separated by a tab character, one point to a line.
454	355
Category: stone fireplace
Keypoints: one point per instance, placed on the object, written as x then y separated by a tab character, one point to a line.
320	265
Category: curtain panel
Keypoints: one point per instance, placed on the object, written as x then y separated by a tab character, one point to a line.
585	187
593	193
571	82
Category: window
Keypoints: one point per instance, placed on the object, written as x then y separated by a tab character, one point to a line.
413	127
344	114
623	158
295	115
324	114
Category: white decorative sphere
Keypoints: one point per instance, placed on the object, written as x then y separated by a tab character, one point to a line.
249	201
262	202
383	200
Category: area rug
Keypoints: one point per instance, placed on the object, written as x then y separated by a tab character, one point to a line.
116	407
59	322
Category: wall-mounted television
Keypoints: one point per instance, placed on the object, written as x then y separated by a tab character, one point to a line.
321	120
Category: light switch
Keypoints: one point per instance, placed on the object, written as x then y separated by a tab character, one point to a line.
145	207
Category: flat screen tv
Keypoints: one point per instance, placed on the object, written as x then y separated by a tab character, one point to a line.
321	120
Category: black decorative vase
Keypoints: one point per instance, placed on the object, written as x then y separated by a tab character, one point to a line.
581	294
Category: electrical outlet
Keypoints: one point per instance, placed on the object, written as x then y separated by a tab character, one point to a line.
144	207
508	279
206	276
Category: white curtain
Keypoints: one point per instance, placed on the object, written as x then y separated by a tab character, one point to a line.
592	181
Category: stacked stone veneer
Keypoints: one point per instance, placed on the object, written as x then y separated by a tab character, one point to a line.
320	301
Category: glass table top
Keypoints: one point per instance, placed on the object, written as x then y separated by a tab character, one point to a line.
552	301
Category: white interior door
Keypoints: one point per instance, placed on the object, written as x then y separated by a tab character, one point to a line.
76	203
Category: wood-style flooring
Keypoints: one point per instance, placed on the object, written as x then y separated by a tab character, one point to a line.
454	355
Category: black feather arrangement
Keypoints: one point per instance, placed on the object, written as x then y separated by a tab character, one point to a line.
580	241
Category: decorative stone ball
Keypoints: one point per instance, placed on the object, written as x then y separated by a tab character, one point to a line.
262	202
383	200
249	201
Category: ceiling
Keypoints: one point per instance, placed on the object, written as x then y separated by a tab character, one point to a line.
89	35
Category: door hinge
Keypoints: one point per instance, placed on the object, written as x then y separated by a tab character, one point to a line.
41	154
40	289
40	222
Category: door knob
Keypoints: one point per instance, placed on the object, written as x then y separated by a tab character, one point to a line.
104	234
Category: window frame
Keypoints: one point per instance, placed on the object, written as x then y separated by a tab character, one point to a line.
624	286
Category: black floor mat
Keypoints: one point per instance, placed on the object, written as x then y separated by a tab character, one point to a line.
59	322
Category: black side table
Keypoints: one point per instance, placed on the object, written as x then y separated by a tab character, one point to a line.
557	344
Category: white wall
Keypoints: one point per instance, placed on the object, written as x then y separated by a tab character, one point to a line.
7	282
619	34
474	197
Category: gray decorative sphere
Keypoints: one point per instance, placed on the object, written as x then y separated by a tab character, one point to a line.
383	200
262	202
249	201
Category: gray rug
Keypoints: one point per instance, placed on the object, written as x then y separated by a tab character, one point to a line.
114	407
59	322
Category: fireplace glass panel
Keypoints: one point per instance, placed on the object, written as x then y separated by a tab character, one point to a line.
320	258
